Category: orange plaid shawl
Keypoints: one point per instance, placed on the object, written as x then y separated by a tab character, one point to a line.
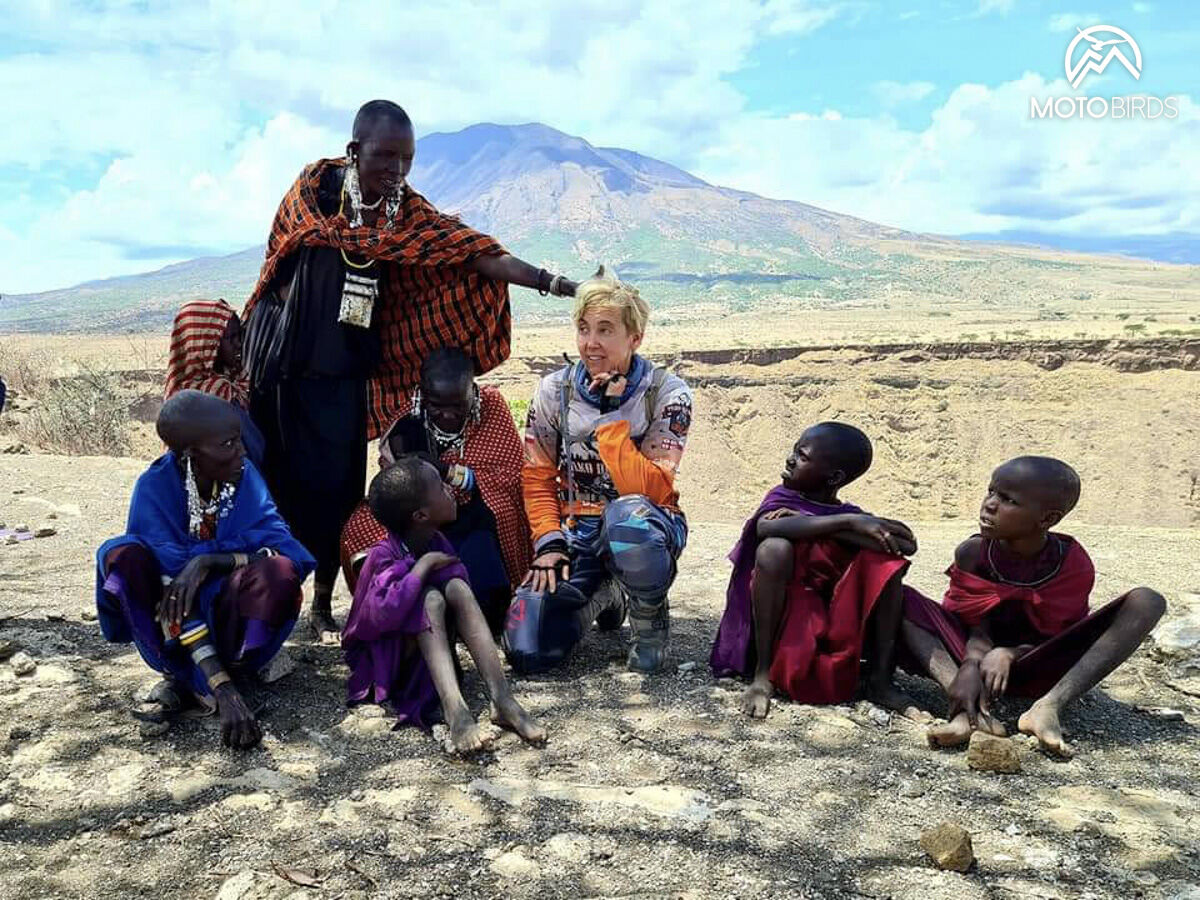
195	340
427	300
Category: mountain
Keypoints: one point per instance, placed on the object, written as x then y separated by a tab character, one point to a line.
559	201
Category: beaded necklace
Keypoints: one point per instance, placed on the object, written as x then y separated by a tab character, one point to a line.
205	513
991	559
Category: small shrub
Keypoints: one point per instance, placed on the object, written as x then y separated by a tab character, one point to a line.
1135	328
519	409
85	414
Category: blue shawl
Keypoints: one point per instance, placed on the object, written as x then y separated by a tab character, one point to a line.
158	521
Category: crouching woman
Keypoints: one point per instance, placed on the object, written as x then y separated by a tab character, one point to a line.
603	440
206	579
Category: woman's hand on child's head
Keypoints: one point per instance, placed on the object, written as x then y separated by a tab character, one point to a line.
994	669
779	514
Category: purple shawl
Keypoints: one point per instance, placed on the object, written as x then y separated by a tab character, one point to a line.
733	649
387	613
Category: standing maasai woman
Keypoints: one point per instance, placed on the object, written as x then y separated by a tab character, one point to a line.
470	431
206	355
363	278
206	579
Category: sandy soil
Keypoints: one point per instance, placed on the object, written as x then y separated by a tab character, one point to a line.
649	787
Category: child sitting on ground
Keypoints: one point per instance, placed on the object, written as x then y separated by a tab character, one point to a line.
411	590
814	579
1015	617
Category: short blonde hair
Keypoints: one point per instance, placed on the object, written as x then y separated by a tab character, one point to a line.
605	292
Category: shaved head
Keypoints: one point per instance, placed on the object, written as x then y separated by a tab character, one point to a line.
372	113
843	446
191	417
447	366
1052	481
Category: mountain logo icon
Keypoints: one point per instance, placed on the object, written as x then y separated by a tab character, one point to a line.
1101	45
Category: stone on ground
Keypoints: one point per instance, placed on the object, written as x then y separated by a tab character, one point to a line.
989	753
949	846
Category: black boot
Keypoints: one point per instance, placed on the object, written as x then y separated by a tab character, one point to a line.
610	599
651	626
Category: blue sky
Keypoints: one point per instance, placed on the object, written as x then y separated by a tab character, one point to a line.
148	133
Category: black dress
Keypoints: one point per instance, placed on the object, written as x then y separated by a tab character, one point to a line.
314	416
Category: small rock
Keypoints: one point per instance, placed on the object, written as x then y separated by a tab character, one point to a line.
22	663
17	733
569	847
52	515
1165	713
22	528
949	846
880	717
988	753
156	829
514	865
1013	830
11	540
1175	890
686	666
236	886
1176	638
8	648
45	531
912	788
149	731
279	667
88	615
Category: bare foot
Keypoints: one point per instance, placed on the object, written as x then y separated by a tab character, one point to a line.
989	724
511	715
465	736
757	699
954	733
1041	720
324	626
889	696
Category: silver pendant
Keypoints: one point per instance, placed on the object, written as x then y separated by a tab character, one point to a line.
358	300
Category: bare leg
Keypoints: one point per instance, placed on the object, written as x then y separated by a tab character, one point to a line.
320	616
937	661
884	631
773	563
1134	620
476	634
435	647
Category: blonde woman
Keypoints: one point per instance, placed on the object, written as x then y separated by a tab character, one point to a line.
603	441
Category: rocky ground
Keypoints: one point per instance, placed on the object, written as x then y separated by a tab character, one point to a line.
648	787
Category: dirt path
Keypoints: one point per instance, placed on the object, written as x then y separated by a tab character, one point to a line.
649	787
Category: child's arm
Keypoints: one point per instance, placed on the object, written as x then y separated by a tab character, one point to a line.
394	592
858	529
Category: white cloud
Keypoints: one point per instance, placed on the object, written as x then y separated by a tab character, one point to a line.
1143	7
981	165
128	158
1070	21
146	144
894	93
987	7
